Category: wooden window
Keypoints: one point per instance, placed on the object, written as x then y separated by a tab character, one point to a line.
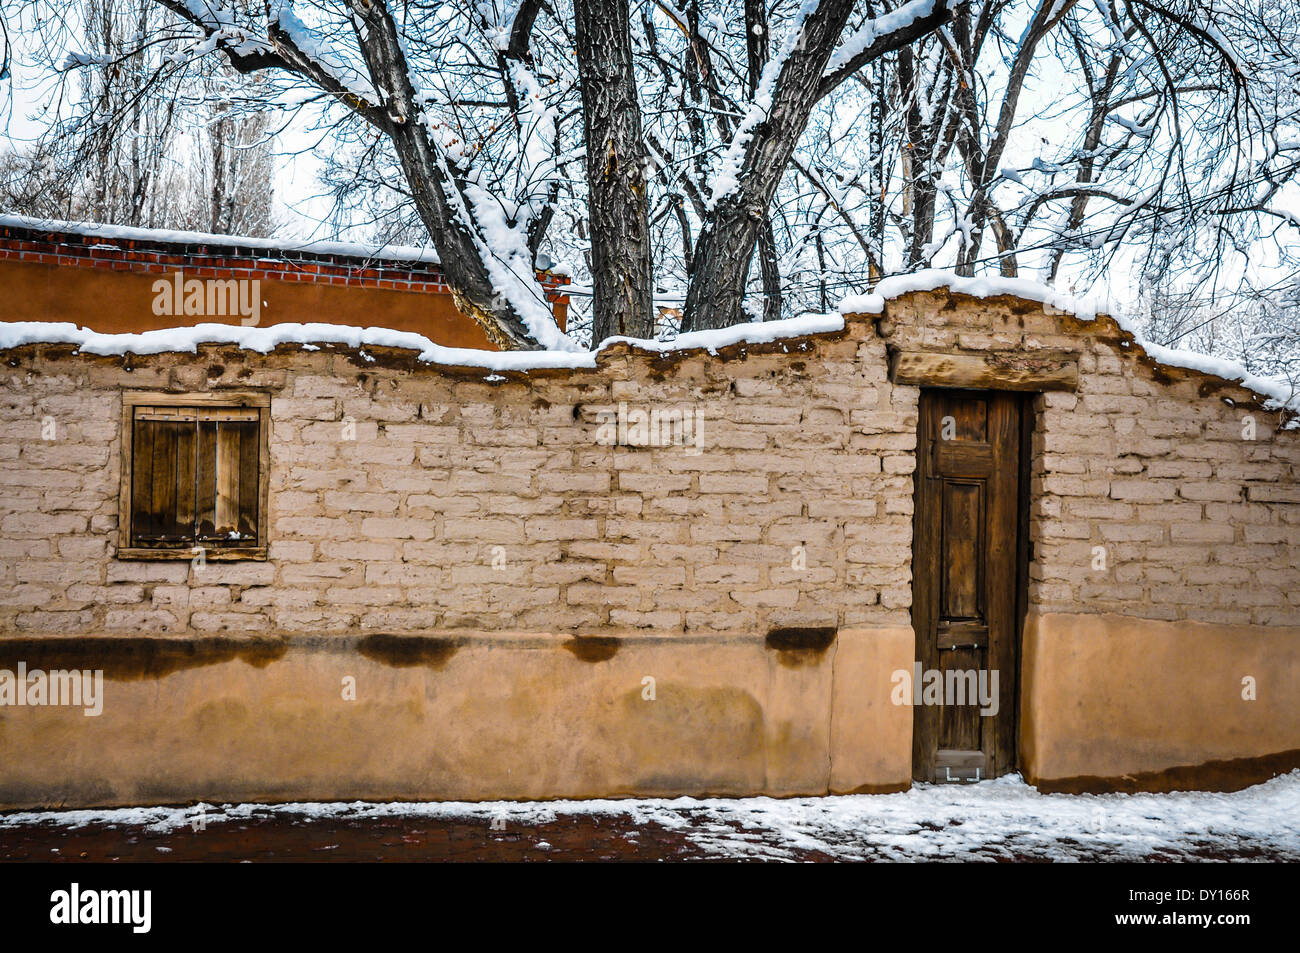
194	475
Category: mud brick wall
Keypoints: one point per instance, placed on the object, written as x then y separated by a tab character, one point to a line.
397	529
1152	494
797	512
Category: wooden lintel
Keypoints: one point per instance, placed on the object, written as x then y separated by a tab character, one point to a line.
993	370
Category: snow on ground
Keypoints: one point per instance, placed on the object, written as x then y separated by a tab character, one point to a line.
992	820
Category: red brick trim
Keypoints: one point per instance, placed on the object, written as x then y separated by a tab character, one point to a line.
205	260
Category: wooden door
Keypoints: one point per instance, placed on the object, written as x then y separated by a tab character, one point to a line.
968	581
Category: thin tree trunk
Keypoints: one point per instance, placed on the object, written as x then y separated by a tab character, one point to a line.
725	248
716	292
917	151
770	270
756	49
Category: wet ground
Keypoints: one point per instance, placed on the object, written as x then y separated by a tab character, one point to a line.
568	838
1004	820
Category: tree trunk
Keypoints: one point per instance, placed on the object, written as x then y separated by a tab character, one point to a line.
756	49
770	270
918	161
622	279
726	245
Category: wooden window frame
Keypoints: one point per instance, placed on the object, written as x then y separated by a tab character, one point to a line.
233	399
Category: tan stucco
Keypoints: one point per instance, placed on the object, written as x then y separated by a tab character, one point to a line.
871	738
1116	703
474	717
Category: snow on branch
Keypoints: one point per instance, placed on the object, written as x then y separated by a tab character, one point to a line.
895	21
726	178
881	35
309	44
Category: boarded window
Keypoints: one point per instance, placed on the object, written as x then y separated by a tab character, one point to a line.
195	477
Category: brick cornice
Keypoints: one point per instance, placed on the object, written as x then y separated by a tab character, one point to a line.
211	259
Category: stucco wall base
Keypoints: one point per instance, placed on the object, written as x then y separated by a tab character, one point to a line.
871	738
463	716
1112	703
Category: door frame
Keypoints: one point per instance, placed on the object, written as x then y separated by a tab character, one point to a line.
1028	405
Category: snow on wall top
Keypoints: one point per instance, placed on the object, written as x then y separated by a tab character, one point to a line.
312	336
932	279
167	236
1279	395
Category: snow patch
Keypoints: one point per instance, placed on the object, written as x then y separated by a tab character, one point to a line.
308	42
932	279
883	25
266	339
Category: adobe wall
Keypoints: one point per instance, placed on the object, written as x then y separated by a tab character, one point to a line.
618	563
672	566
395	529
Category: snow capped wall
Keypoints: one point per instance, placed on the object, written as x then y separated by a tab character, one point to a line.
805	442
117	281
264	339
1057	302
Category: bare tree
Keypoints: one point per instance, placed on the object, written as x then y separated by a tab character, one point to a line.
737	160
1170	128
142	139
236	173
394	67
1260	330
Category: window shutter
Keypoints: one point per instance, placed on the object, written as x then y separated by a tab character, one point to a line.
205	493
162	508
194	474
228	475
249	476
144	519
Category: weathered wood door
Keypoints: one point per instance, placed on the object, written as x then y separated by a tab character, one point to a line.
968	553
